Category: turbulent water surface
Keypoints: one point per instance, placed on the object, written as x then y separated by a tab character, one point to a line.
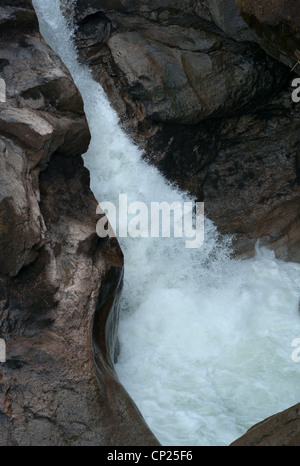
205	340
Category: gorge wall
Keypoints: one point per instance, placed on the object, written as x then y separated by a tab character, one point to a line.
208	99
233	145
277	27
59	283
209	107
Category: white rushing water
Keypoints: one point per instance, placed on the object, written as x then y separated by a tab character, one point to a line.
205	340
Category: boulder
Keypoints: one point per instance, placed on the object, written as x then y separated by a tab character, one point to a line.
170	64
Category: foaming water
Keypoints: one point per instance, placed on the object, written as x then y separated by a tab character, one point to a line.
205	340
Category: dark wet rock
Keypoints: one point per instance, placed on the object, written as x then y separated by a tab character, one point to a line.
208	106
171	65
246	169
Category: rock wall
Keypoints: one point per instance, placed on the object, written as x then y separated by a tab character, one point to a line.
208	106
211	110
208	98
59	283
277	27
282	429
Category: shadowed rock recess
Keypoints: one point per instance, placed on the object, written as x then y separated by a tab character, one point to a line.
209	100
277	27
59	283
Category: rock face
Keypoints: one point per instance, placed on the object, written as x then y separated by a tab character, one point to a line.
59	283
213	111
277	27
207	105
245	168
177	66
282	429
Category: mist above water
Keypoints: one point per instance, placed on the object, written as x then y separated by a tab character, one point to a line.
205	340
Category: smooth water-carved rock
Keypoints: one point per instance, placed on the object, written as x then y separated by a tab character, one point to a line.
21	225
59	283
226	15
282	429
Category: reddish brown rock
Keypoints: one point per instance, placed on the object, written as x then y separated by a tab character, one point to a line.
282	430
277	27
59	318
273	11
59	283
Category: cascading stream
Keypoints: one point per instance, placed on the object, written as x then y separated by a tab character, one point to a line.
205	340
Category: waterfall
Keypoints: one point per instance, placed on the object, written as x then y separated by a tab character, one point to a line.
206	341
